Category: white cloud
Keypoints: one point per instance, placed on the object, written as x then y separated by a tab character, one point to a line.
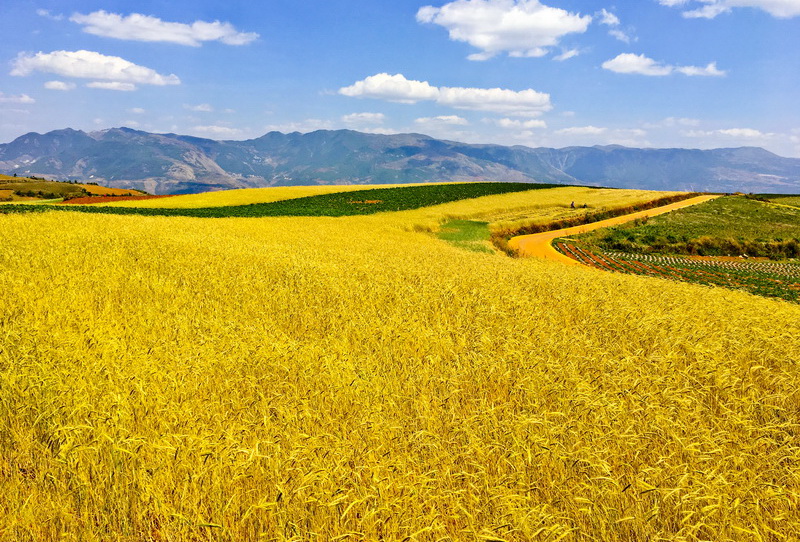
709	9
498	100
566	55
59	85
671	122
513	124
642	65
305	126
448	120
620	35
581	135
112	85
735	133
138	27
363	119
216	131
710	70
630	63
19	99
200	108
521	28
396	88
607	18
744	132
46	14
393	88
90	65
137	111
582	131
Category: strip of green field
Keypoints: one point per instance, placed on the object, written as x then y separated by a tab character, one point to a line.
361	202
467	234
783	199
727	226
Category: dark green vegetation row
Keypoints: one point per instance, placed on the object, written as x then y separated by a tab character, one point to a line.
361	202
728	226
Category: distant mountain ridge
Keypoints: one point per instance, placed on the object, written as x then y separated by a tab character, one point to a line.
173	164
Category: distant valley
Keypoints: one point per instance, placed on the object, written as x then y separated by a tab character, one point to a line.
175	164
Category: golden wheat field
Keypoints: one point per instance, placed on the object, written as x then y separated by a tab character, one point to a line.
321	379
536	206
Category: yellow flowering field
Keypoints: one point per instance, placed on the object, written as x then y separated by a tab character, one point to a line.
293	379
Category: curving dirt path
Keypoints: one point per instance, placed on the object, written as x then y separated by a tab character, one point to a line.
539	245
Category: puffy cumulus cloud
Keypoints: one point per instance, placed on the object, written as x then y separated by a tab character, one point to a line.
520	28
18	99
708	9
59	85
497	100
363	119
199	108
396	88
514	124
214	131
393	88
631	63
138	27
442	120
112	85
90	65
582	131
642	65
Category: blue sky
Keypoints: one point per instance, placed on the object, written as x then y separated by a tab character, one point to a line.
649	73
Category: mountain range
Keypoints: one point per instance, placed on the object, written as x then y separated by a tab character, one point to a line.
176	164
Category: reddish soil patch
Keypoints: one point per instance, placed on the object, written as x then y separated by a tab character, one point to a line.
109	199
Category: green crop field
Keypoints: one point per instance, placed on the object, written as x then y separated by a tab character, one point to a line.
467	234
734	225
789	199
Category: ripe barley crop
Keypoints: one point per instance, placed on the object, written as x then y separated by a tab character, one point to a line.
351	379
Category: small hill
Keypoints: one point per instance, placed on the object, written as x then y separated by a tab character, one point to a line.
32	189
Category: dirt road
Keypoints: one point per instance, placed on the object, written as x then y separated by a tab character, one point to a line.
539	245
